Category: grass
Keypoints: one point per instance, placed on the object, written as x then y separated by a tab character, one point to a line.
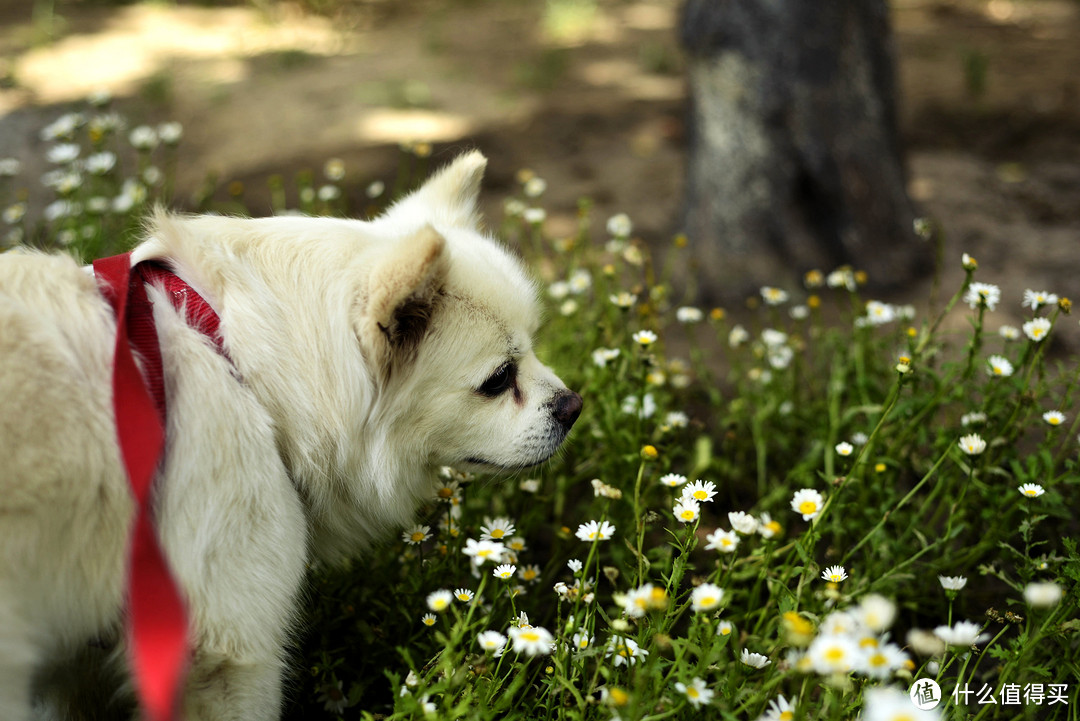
828	430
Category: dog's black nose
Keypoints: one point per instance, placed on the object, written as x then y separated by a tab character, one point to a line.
566	407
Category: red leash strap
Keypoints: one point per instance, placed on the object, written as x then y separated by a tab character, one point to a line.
157	625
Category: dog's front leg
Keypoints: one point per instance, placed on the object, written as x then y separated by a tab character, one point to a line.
233	529
224	688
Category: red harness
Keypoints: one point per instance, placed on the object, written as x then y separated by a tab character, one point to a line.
157	625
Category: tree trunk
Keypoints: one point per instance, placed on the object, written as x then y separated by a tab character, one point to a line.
794	157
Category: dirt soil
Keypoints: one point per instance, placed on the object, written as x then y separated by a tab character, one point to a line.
587	93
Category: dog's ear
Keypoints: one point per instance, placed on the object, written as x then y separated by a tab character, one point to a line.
449	196
403	289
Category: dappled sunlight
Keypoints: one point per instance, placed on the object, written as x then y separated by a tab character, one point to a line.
398	126
140	41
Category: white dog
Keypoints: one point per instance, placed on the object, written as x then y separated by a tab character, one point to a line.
360	357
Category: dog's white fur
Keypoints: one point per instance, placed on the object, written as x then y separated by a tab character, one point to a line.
357	350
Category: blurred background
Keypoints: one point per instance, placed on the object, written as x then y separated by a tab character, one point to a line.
591	95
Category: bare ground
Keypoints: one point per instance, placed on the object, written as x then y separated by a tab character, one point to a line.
587	94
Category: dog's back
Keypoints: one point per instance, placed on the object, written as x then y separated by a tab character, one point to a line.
64	508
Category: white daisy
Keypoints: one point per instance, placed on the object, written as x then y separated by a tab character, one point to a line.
1054	418
885	703
686	510
808	502
416	535
699	490
737	336
722	541
844	448
504	571
689	314
876	613
624	651
952	583
595	531
834	574
832	653
620	225
644	338
696	692
742	522
491	641
483	550
999	366
773	296
962	633
972	444
767	527
1035	298
755	660
1042	595
985	294
439	600
1009	332
530	640
706	597
1037	328
496	529
1032	490
671	480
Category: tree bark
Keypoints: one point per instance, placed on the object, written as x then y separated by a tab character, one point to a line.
794	152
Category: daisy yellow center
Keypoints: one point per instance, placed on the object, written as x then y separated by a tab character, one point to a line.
497	533
807	507
583	643
687	515
417	536
700	495
878	660
528	574
429	621
773	526
997	370
463	597
641	602
618	696
868	642
1037	332
692	692
530	635
445	492
483	553
439	604
726	542
593	535
708	600
834	654
1053	420
1031	492
725	630
786	715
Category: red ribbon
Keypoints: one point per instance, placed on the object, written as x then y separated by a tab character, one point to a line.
157	618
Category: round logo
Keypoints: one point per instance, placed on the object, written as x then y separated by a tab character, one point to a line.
925	694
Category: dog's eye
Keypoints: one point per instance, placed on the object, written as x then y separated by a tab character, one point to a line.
499	381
